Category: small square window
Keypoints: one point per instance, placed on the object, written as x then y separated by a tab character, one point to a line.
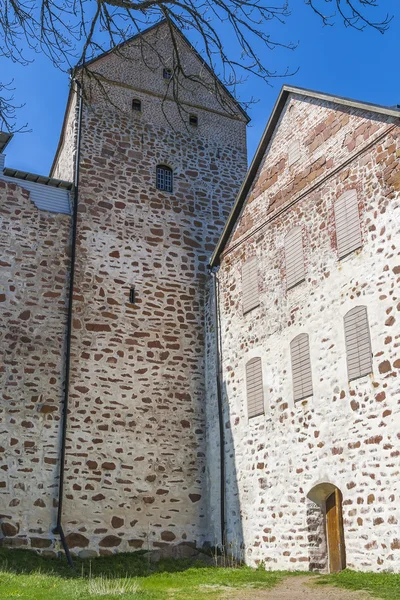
193	120
137	105
167	73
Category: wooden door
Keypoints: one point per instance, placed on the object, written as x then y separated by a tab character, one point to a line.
334	529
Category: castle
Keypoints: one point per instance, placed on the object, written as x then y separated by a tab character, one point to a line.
192	355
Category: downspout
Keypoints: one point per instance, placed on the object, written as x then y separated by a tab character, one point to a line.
59	528
220	409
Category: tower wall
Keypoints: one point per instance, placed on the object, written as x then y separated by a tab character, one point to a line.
136	455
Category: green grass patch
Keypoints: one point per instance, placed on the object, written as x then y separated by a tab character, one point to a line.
26	575
380	585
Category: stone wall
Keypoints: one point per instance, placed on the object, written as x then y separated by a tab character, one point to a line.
347	432
34	261
135	465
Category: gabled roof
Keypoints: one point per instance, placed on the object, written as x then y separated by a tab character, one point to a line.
193	49
266	138
5	138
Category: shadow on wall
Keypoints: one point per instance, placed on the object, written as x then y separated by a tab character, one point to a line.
325	528
316	536
234	541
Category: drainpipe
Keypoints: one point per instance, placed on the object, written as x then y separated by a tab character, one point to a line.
220	409
59	528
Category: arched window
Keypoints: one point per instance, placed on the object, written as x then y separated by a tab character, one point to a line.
164	178
301	367
294	257
137	105
193	120
358	342
347	218
250	295
254	388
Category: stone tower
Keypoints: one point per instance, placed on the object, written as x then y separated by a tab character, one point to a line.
135	450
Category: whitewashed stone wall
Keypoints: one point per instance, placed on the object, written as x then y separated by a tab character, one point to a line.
346	433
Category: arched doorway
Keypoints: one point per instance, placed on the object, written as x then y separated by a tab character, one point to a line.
329	500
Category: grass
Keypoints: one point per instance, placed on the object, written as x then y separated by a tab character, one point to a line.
380	585
26	575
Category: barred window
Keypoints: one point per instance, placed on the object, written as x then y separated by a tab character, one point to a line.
164	178
137	104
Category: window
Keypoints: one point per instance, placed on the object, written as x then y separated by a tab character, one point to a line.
301	367
193	120
293	152
164	178
250	297
294	257
254	388
167	73
358	343
347	218
137	105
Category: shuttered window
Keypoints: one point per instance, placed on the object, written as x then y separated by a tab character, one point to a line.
358	343
294	257
250	284
254	388
301	367
347	218
293	152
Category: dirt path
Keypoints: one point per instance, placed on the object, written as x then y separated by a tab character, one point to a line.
299	588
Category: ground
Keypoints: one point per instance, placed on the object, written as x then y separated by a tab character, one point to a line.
28	576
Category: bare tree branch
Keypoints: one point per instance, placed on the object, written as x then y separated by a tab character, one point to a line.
72	32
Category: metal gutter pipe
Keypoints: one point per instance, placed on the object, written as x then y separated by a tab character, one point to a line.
59	528
220	408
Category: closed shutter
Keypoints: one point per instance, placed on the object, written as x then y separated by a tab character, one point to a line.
301	367
254	388
294	257
358	342
294	152
347	217
250	285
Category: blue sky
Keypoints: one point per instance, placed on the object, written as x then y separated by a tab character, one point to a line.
338	60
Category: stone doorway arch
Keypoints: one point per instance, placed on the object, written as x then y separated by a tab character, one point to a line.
325	526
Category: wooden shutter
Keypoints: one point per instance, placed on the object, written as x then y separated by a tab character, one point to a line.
250	285
301	367
254	388
347	217
294	257
358	342
293	152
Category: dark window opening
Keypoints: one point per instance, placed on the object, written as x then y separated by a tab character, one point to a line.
132	295
164	178
167	73
137	105
193	120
